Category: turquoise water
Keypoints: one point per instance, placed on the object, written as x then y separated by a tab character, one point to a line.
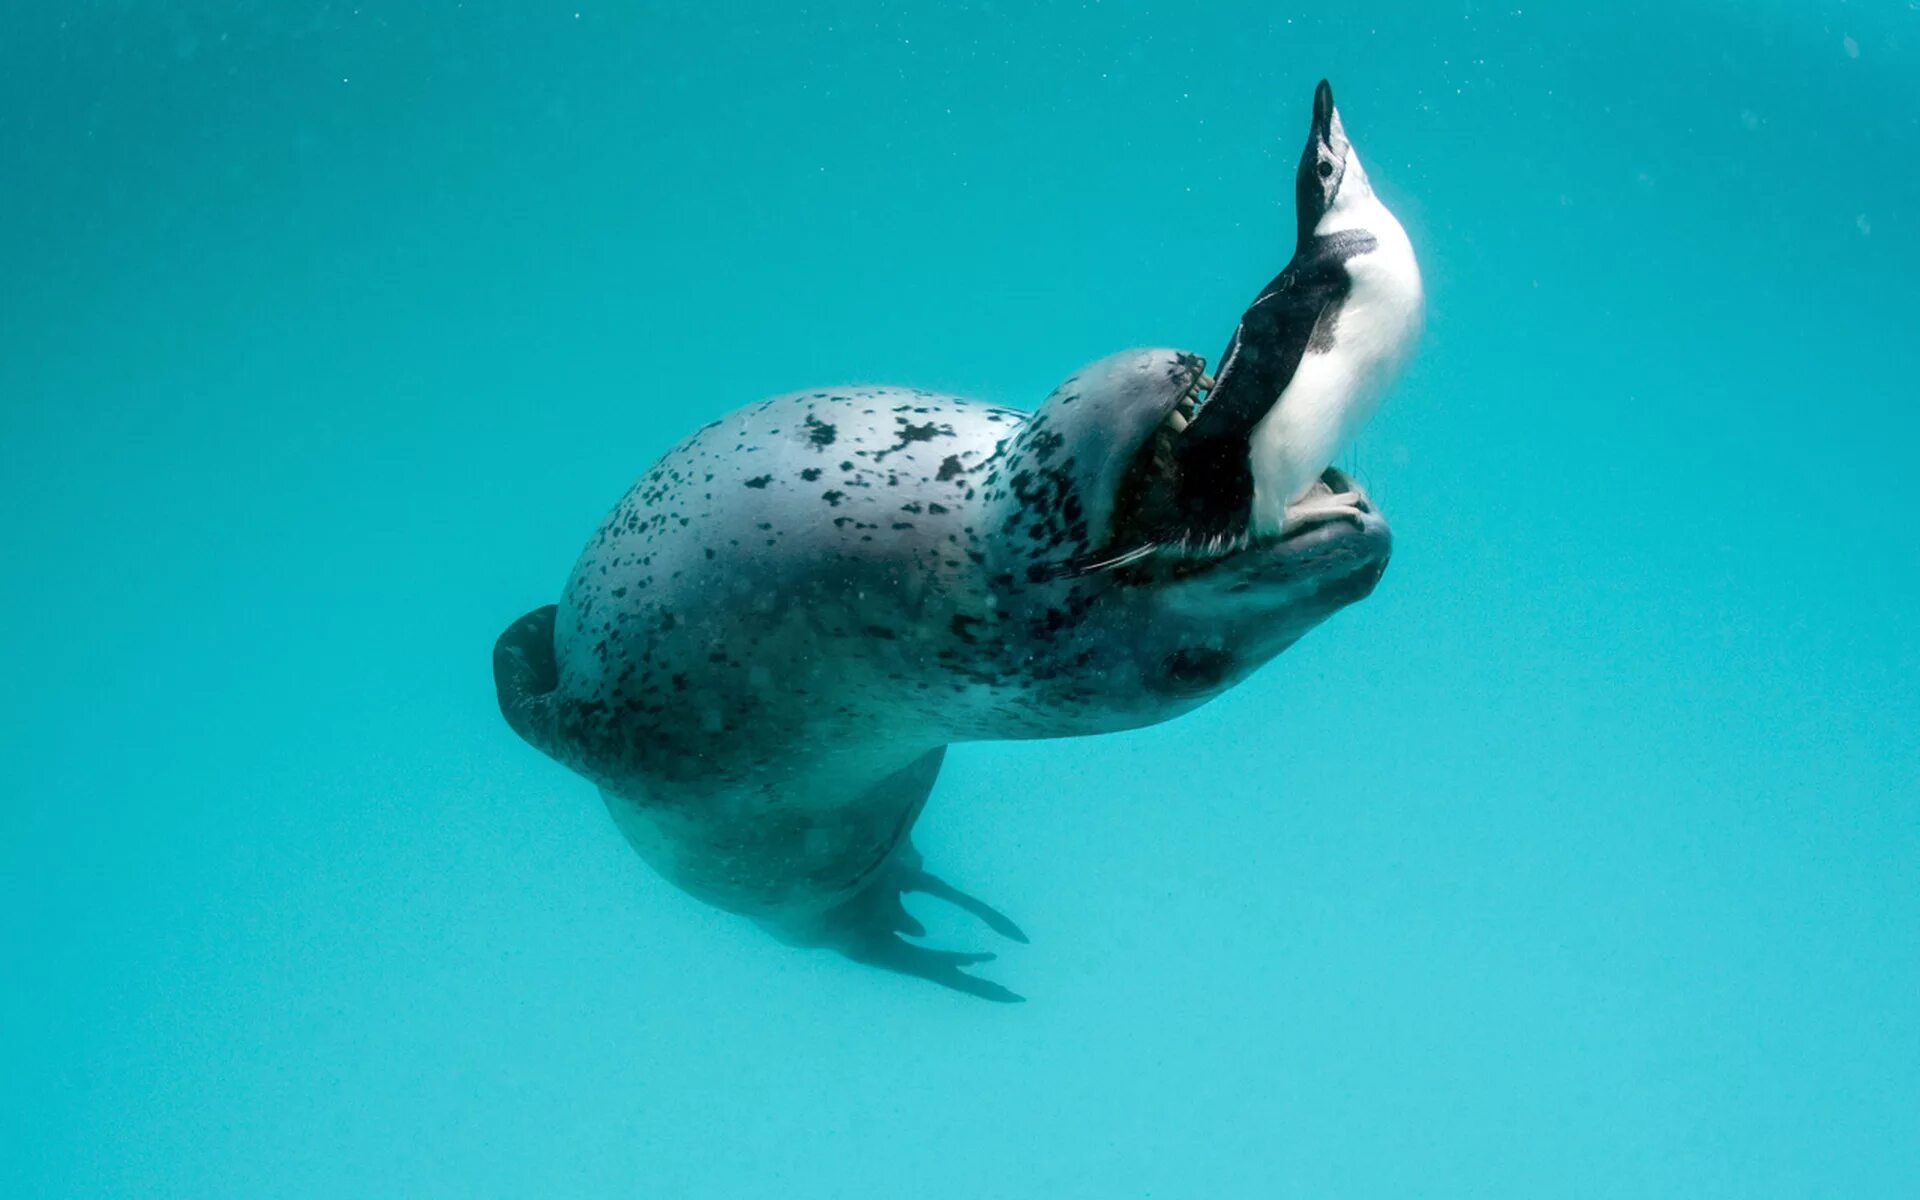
1580	860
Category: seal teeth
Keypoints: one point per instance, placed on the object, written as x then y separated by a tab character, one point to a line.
1190	400
1196	392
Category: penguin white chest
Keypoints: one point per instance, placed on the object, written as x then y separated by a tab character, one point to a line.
1356	351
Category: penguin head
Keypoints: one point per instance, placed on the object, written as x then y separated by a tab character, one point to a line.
1330	182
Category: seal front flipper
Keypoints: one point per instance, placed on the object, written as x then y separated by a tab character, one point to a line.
925	882
935	966
868	930
990	916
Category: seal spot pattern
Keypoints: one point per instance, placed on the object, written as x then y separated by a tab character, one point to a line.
762	678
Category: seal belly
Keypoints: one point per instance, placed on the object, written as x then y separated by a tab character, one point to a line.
787	850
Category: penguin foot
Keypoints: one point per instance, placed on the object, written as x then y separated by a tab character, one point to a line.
1332	497
1318	510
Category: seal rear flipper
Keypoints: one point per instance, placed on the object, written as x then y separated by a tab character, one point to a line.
525	675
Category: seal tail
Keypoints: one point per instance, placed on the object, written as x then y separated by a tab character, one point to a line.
525	675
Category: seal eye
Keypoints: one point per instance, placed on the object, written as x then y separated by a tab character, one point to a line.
1326	169
1195	669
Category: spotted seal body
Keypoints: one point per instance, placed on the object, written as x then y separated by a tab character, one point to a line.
764	650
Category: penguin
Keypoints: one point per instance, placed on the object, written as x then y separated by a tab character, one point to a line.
1248	455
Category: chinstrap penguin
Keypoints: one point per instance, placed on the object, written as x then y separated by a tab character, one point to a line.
1306	368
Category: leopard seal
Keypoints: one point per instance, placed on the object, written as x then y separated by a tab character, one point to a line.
765	649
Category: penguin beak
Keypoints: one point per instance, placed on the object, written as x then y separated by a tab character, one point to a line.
1327	129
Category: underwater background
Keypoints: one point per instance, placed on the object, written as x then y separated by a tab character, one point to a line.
1583	859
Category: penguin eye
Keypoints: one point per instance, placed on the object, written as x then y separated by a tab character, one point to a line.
1326	169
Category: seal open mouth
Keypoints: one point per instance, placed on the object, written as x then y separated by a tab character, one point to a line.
1151	523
